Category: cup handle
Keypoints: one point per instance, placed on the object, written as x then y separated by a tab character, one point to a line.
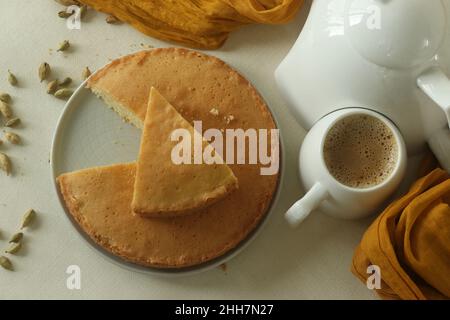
303	207
436	86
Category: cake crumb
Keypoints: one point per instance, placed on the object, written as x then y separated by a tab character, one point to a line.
229	118
214	112
223	267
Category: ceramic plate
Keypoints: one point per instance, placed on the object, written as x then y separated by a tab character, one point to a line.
89	134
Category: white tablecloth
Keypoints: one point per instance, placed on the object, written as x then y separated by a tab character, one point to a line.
308	263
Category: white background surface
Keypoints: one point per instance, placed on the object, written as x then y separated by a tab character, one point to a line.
308	263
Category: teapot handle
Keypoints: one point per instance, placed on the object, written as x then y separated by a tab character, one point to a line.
436	85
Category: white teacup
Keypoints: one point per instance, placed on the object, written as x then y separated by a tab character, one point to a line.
329	195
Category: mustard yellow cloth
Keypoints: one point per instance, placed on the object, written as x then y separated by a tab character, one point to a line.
410	242
196	23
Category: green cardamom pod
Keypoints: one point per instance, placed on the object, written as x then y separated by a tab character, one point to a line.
16	238
64	45
14	248
6	263
28	218
66	82
5	97
5	110
44	71
64	14
12	122
5	163
63	93
12	79
86	73
52	86
12	137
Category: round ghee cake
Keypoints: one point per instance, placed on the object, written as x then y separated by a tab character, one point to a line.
200	87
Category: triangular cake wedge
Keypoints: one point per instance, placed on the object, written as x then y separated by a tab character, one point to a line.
164	187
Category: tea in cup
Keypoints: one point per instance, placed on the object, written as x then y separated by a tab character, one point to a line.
351	161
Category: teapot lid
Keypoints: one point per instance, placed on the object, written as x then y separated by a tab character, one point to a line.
396	33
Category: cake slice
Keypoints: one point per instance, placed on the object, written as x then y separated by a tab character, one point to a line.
99	201
164	187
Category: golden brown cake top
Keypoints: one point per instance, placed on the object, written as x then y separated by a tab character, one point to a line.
99	200
194	83
163	187
202	88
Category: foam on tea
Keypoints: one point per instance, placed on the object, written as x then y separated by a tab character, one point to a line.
360	151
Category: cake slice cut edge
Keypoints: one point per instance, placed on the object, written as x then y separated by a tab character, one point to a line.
164	188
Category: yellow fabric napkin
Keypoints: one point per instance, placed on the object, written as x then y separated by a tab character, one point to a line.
196	23
410	242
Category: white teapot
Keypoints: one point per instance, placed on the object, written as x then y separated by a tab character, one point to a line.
390	56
